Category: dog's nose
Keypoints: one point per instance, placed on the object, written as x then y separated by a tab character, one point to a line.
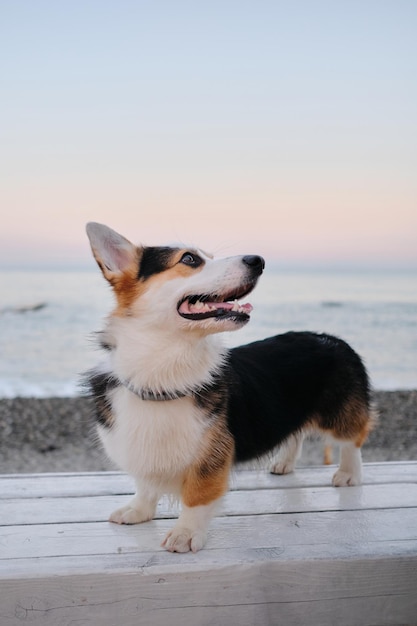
255	262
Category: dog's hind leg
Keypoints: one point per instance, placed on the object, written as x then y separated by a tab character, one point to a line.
328	454
349	472
350	467
288	453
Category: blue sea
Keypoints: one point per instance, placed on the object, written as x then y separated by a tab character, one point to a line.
47	320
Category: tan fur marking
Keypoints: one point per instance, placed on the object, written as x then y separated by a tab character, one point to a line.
208	478
125	284
348	423
363	435
128	288
105	411
199	491
328	455
353	424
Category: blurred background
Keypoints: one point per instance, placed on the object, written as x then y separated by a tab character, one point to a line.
284	128
287	129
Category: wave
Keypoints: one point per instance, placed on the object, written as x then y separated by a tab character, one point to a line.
51	389
70	389
29	308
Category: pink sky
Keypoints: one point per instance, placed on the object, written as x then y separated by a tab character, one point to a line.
283	132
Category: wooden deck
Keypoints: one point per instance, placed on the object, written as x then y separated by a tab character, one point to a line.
285	550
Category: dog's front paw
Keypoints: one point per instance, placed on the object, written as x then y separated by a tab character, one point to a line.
181	539
346	479
129	515
282	467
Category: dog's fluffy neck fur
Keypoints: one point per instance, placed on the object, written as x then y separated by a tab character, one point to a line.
167	361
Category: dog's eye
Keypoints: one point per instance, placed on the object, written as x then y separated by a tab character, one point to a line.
193	260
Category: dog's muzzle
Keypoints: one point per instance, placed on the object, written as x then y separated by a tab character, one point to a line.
224	306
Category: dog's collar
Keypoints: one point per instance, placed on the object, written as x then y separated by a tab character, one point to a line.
156	396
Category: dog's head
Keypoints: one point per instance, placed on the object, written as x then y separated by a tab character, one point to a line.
174	285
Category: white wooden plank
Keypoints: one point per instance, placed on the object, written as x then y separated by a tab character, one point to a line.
322	592
211	557
70	509
261	531
373	473
336	556
117	483
57	485
98	508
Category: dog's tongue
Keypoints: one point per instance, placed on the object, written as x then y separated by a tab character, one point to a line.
207	307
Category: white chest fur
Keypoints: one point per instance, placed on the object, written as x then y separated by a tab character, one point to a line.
152	440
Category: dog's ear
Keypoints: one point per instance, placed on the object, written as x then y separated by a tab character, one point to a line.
114	254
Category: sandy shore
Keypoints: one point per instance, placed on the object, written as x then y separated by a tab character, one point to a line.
57	434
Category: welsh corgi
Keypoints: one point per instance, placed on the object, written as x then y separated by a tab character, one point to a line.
176	409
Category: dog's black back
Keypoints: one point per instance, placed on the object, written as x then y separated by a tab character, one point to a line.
279	385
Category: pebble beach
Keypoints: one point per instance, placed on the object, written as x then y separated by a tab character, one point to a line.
57	434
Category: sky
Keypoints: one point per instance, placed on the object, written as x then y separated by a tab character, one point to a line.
282	128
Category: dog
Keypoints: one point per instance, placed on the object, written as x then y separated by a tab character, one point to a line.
176	409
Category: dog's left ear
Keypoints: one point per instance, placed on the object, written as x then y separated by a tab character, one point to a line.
114	254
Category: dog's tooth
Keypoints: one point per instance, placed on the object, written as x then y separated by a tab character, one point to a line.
198	306
236	306
203	307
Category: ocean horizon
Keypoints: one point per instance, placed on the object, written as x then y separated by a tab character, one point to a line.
48	319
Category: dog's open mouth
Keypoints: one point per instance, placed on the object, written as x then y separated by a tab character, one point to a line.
200	307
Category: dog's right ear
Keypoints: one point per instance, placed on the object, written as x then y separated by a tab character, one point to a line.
114	254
